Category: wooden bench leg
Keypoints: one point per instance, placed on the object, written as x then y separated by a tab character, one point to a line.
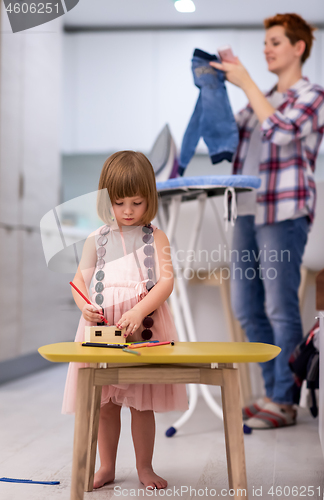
233	428
244	369
93	438
236	335
81	431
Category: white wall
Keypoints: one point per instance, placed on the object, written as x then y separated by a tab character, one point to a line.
120	88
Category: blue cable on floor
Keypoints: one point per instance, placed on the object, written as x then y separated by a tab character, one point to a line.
28	481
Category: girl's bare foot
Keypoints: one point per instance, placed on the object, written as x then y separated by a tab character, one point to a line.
151	480
102	477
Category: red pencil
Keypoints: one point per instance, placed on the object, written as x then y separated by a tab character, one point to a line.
148	344
159	343
85	298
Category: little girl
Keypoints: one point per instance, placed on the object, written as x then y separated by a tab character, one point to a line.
124	259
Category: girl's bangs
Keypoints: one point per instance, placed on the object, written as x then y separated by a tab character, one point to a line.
127	186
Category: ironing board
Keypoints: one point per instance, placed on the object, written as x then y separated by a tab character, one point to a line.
185	362
172	193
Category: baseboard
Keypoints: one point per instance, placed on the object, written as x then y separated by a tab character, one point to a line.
20	367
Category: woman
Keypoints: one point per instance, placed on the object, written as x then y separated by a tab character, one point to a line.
280	134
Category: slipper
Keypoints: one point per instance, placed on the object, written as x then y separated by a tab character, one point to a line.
250	411
271	417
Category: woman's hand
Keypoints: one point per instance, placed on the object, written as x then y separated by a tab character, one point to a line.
235	73
238	75
131	320
90	313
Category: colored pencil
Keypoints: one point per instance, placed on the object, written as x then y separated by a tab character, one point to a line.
161	343
131	351
149	344
100	344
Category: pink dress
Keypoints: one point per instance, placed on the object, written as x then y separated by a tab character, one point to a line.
126	273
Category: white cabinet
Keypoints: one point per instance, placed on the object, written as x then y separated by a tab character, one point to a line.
11	72
35	306
10	293
40	99
47	311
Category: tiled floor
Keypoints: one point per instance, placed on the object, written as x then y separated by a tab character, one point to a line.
36	443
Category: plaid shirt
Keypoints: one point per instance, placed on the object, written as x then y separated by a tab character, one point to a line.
290	142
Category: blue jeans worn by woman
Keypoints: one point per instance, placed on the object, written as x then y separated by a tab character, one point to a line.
265	276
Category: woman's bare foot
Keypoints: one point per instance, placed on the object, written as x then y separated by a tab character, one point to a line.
102	477
151	480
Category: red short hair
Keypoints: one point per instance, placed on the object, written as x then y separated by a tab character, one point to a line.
296	28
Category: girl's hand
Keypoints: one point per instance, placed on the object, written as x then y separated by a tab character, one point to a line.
234	72
131	320
90	313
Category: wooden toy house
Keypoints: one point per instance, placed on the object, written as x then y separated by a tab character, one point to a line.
104	334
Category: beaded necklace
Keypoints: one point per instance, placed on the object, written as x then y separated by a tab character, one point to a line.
148	239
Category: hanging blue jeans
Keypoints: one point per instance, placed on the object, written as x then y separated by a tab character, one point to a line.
265	276
212	118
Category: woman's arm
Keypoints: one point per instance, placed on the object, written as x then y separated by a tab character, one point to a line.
304	116
238	75
159	293
300	119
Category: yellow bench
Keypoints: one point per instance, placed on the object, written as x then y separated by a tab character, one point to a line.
184	363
